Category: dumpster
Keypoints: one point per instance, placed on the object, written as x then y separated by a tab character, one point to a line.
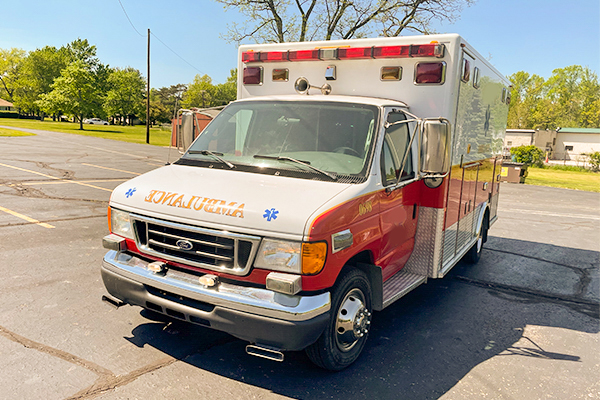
513	172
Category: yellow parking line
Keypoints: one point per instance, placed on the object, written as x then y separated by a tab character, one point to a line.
62	182
111	169
26	218
55	178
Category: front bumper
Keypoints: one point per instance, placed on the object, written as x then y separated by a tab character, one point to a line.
257	315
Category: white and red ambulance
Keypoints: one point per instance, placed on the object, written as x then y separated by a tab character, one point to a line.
346	174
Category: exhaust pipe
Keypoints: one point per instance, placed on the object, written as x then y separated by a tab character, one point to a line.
264	352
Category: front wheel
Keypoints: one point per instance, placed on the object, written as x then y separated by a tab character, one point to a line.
346	334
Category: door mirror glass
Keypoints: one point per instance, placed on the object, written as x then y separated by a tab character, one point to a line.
185	133
435	147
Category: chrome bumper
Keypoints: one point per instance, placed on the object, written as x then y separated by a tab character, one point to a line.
290	322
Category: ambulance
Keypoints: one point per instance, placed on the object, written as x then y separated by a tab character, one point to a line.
346	174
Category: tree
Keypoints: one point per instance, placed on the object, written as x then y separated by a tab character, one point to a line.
227	92
125	98
526	95
166	100
300	20
569	98
203	94
10	62
38	71
159	112
200	93
73	92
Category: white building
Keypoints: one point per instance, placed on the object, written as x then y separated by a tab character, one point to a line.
573	143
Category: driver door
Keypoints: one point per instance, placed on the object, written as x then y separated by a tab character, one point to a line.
398	200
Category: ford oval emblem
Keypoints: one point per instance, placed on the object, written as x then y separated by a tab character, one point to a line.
184	245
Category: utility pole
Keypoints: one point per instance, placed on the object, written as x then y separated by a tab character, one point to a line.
148	95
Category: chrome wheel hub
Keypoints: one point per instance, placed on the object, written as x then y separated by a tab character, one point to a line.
353	320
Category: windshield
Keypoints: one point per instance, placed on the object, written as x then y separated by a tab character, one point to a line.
322	139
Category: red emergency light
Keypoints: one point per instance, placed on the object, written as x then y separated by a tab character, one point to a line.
391	51
427	50
303	55
347	53
253	76
268	56
250	56
430	73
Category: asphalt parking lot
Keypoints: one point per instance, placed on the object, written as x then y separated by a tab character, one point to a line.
522	324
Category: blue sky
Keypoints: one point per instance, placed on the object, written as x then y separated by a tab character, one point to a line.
536	36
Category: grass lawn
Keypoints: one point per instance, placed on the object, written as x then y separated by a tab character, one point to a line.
134	134
578	180
12	132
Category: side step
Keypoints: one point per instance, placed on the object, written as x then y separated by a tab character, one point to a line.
269	353
399	285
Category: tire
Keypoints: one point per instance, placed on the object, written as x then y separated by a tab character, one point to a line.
346	334
474	254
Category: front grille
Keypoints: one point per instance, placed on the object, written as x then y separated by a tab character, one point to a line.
190	245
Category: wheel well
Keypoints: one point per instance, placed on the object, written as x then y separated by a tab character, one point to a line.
364	262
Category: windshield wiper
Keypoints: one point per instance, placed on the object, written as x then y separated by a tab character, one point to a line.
212	153
305	163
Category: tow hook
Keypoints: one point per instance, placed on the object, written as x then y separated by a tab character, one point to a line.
116	303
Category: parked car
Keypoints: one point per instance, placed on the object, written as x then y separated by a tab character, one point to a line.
95	121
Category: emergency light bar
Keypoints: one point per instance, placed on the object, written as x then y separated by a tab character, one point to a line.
345	53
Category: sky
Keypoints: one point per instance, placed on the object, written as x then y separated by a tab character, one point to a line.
536	36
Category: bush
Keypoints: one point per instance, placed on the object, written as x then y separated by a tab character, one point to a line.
594	160
530	155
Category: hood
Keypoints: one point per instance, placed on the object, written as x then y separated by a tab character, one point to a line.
226	199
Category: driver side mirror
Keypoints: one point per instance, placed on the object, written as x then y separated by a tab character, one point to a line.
435	147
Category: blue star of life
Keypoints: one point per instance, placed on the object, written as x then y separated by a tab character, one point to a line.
270	214
130	192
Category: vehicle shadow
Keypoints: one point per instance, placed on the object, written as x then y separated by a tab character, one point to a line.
424	344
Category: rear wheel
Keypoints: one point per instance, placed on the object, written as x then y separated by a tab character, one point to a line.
474	254
344	338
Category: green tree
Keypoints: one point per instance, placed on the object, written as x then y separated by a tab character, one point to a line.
125	98
166	100
73	92
159	112
570	97
39	70
200	93
226	92
82	50
526	95
300	20
10	63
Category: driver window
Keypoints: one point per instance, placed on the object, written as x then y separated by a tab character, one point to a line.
395	143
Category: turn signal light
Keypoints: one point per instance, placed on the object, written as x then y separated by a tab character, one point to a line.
313	257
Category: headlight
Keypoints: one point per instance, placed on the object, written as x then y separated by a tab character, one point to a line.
120	223
292	257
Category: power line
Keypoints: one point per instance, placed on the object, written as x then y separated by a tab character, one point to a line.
173	51
129	19
157	38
